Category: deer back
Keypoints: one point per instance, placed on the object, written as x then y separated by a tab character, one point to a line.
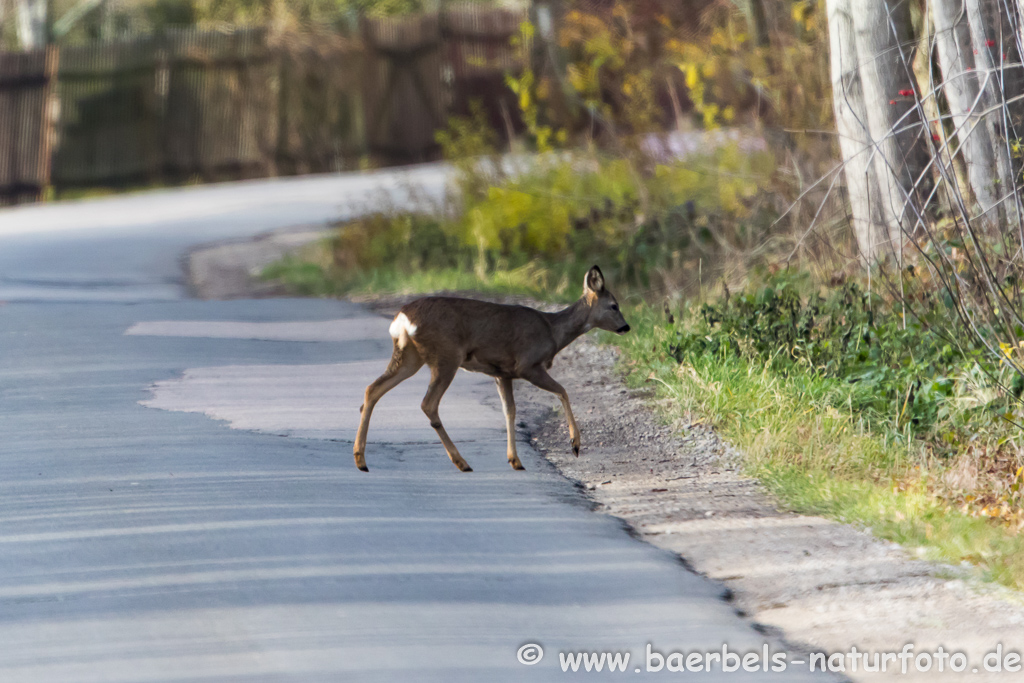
501	337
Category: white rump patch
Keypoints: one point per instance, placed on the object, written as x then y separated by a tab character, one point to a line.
401	324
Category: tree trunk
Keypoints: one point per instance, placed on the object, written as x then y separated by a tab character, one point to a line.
894	126
758	22
986	20
929	84
32	24
851	124
956	59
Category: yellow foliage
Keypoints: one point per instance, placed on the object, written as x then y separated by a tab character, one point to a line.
607	59
529	92
725	71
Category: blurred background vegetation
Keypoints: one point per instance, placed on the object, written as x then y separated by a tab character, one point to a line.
81	21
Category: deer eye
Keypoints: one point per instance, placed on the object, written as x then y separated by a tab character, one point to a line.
615	307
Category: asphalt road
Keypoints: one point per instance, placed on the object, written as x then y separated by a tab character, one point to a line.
178	500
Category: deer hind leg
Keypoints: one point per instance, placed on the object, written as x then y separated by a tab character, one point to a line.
540	378
508	404
405	362
441	377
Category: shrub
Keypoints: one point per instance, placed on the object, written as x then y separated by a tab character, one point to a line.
647	225
407	241
911	377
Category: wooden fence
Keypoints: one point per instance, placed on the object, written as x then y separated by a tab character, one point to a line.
26	123
421	69
480	53
164	109
215	106
319	112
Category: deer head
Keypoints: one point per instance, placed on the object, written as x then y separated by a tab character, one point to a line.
604	309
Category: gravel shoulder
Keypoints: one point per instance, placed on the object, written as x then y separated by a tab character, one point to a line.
826	585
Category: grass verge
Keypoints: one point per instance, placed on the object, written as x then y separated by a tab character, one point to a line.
311	274
813	456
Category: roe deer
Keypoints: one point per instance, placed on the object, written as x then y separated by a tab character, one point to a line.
505	342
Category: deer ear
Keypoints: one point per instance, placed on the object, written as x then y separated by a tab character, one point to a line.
594	282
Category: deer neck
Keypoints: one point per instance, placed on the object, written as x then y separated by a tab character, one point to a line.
570	323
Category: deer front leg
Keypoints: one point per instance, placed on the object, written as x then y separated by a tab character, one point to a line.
540	378
440	377
508	404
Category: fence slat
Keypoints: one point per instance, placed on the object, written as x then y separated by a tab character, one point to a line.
24	90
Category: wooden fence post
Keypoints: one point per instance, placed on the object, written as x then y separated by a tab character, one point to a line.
49	118
281	146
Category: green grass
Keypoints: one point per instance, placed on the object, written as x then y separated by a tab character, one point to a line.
390	280
310	279
100	191
815	457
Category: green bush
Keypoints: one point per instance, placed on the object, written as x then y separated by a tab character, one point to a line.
409	241
636	221
912	377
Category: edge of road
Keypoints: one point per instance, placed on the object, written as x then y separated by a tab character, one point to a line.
230	269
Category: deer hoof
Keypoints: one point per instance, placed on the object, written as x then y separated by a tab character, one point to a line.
464	466
576	449
516	464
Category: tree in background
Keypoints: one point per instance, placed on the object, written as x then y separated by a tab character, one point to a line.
878	120
929	94
928	104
